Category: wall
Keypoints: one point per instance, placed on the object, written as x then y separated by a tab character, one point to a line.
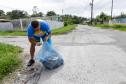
119	21
6	26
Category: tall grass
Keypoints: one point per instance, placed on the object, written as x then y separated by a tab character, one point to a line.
9	59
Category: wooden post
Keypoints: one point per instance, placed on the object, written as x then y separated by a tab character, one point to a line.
21	24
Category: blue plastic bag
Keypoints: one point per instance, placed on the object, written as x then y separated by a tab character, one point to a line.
50	58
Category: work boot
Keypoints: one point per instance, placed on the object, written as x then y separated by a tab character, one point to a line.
31	62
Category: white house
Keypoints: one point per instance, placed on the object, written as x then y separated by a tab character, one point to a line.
119	21
5	25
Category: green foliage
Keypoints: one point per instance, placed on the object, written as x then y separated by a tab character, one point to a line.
40	14
16	14
69	19
2	13
50	13
65	23
9	60
102	17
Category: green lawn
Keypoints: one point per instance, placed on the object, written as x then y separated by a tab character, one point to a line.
54	32
120	27
12	33
63	30
9	59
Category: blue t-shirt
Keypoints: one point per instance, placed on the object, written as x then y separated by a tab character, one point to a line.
44	29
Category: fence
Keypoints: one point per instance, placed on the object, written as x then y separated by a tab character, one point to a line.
6	26
21	24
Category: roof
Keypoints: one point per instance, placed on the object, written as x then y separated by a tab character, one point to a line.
4	20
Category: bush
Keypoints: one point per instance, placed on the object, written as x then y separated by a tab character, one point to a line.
65	23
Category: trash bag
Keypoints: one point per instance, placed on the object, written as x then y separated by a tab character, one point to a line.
50	58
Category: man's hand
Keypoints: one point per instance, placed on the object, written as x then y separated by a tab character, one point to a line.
32	40
46	38
38	43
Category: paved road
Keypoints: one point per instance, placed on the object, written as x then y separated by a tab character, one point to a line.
92	56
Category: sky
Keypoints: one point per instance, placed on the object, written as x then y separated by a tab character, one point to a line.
74	7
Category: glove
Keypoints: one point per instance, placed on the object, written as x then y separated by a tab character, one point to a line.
38	43
46	38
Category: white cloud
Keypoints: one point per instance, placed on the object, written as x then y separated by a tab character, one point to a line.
75	7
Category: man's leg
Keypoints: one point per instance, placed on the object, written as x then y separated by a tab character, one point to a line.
32	51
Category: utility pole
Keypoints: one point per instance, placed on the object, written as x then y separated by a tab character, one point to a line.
63	15
62	11
35	10
92	6
112	10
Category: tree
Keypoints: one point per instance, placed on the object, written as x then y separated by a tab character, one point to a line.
69	19
102	17
2	13
78	20
50	13
16	14
40	14
123	15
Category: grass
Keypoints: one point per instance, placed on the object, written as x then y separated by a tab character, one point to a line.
12	33
63	30
9	60
54	31
121	27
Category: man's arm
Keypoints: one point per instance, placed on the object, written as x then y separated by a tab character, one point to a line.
48	31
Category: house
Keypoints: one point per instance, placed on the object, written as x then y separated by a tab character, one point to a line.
119	20
5	25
